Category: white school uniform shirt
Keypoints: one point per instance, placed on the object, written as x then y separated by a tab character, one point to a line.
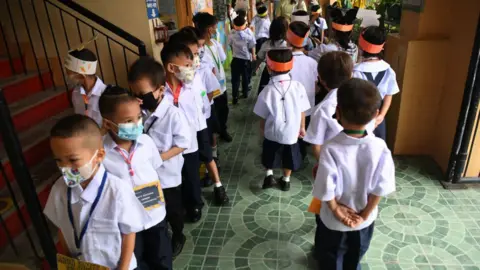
145	162
281	104
388	85
242	42
200	93
262	26
188	106
93	111
267	46
118	212
349	170
319	25
305	71
208	79
323	126
215	56
168	127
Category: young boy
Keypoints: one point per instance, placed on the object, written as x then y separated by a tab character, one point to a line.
281	105
215	56
377	71
133	157
261	25
318	24
304	68
242	41
201	80
97	214
170	131
81	65
355	170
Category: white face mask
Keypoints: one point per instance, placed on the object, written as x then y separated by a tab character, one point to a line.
185	74
196	62
73	177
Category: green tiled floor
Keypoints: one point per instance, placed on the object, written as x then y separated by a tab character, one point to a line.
421	226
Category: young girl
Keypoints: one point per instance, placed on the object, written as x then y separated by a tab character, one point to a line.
278	35
282	106
377	71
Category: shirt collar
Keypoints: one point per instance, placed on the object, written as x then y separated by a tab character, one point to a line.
344	139
110	144
298	53
372	66
283	77
331	94
162	107
97	89
91	191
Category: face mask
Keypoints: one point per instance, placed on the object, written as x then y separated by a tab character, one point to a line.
185	74
130	131
73	82
149	102
73	177
196	62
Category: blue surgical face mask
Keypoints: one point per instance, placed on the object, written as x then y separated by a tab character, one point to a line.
305	41
130	131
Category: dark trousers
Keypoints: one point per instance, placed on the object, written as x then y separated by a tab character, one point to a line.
191	190
174	207
336	250
381	130
241	69
303	144
264	79
222	110
153	249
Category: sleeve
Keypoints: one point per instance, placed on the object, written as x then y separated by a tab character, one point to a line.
324	23
211	82
385	175
304	103
253	41
392	83
181	131
326	179
261	108
156	159
254	21
316	129
130	212
54	206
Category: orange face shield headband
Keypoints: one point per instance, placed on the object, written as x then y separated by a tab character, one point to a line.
369	47
342	27
294	39
279	67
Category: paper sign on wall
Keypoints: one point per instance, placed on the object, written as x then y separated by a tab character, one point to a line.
152	9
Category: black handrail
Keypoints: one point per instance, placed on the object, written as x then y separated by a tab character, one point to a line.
105	24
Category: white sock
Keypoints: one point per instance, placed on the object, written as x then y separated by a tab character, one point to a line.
286	178
219	184
214	152
269	172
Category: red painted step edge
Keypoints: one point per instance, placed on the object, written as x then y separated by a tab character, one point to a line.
6	70
26	87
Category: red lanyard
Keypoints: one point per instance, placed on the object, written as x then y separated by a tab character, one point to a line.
128	159
176	93
85	101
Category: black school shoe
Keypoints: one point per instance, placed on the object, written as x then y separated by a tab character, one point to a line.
194	215
268	182
220	196
177	245
285	186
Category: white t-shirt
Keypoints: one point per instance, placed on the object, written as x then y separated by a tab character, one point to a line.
305	71
319	25
92	110
388	85
281	104
349	169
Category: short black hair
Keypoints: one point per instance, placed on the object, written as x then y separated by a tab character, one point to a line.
172	50
261	8
242	13
358	101
239	20
281	56
111	98
76	125
183	37
299	28
334	68
192	31
374	35
84	54
278	29
204	20
147	67
300	13
315	8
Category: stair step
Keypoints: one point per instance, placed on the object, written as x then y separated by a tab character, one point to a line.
35	145
44	176
21	86
6	69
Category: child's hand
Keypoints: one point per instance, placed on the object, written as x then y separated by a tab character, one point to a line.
254	57
302	132
379	120
354	221
347	216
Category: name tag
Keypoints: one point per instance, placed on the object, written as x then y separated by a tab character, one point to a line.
67	263
150	195
222	82
315	206
217	93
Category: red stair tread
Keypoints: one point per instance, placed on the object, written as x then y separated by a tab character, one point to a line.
6	69
22	86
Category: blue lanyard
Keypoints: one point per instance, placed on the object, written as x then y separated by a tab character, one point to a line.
78	240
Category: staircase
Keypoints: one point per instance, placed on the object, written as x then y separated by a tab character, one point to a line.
33	42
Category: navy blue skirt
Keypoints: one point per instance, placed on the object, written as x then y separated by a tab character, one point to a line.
276	155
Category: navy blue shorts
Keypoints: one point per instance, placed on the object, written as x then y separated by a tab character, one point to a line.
276	155
204	147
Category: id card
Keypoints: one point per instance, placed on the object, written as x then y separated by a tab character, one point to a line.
217	93
150	195
67	263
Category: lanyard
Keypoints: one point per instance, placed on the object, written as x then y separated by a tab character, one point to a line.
283	97
151	125
128	159
78	240
176	94
217	62
355	132
85	101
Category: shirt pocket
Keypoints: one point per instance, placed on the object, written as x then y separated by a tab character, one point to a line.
163	141
104	241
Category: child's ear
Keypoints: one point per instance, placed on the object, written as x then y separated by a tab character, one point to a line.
170	68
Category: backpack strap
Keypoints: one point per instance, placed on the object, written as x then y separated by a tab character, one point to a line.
378	79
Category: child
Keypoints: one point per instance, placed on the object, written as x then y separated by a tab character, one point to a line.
342	25
304	69
133	157
261	25
277	39
242	41
215	56
377	71
80	66
97	214
170	131
199	85
355	170
318	24
282	106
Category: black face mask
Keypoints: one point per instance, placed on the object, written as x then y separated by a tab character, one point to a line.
149	102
